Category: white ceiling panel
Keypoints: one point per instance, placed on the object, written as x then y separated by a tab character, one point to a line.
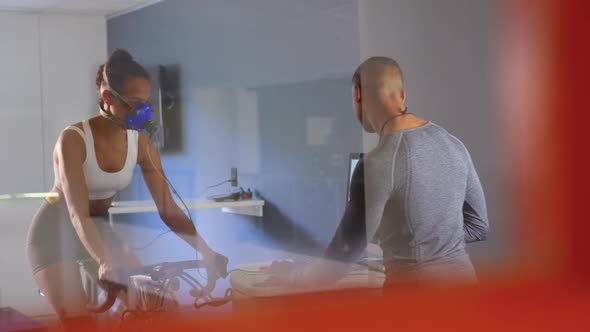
100	7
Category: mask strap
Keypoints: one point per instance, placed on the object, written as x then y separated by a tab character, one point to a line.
109	116
103	111
105	79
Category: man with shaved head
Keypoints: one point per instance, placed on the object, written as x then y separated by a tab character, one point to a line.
382	94
417	194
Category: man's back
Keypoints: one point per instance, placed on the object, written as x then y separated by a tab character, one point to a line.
423	202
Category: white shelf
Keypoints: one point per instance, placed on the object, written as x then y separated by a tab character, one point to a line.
247	207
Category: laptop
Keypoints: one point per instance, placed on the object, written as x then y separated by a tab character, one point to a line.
353	160
373	256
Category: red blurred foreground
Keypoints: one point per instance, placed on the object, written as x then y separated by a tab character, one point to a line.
543	53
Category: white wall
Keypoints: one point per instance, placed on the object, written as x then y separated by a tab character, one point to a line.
446	51
72	48
21	126
47	65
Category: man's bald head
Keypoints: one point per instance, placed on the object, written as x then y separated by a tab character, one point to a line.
379	75
378	92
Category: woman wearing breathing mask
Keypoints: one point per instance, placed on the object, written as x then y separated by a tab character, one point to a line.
92	160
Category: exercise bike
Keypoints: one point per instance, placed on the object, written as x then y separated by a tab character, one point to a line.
149	288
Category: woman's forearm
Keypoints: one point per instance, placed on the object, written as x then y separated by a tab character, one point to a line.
92	239
182	226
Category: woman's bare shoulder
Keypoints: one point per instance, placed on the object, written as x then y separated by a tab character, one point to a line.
143	142
72	141
78	125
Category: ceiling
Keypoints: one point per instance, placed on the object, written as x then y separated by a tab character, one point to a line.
98	7
341	8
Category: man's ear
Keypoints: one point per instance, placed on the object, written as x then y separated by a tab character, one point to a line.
357	93
403	97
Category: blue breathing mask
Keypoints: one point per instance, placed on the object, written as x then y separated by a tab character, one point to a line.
138	116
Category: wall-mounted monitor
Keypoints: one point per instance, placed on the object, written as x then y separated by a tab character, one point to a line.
166	105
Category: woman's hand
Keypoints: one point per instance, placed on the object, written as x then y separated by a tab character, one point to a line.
216	268
121	259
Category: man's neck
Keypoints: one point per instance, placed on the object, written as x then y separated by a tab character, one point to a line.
407	121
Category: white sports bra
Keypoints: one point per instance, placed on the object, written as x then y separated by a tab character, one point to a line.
101	184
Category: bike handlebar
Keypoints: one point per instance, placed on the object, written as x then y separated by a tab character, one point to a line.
156	272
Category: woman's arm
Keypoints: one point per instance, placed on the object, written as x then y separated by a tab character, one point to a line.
70	152
169	211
